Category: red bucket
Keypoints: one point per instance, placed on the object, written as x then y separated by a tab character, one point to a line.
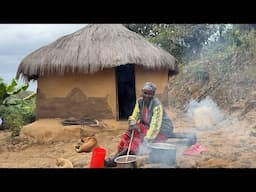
98	156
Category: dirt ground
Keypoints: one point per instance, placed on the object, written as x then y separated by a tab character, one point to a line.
230	143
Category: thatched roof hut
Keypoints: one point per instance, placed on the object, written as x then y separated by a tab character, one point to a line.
95	49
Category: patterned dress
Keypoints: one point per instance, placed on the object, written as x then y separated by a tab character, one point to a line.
153	122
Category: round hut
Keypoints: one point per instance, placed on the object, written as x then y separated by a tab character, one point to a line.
95	72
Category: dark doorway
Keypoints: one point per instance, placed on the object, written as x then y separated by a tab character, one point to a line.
125	78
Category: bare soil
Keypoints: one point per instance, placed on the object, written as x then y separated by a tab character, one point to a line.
230	144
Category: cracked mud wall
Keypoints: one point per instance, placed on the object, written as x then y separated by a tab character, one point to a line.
77	95
90	95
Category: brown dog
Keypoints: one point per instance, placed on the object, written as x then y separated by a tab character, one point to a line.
86	145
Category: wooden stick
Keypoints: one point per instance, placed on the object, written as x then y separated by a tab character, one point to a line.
129	147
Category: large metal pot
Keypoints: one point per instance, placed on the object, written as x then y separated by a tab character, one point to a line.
162	153
124	162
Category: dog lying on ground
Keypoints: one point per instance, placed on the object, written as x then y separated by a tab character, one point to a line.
86	144
63	163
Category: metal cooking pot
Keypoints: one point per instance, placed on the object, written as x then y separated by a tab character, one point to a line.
162	153
124	162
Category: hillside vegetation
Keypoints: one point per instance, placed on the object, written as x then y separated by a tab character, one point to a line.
214	60
225	71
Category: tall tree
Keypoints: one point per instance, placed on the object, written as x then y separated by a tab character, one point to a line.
184	41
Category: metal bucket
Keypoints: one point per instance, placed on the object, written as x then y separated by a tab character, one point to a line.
162	153
123	163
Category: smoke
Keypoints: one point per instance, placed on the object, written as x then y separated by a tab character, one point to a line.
205	114
143	149
162	154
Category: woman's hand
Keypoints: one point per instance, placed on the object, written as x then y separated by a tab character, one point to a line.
134	128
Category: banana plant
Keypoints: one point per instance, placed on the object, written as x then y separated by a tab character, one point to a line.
7	91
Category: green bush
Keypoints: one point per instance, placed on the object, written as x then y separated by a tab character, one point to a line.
16	113
11	119
14	122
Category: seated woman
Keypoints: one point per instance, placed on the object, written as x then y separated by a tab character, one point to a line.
148	122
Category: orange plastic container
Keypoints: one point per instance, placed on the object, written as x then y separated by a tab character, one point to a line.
98	156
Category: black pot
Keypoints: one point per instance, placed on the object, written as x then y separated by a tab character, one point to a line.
162	153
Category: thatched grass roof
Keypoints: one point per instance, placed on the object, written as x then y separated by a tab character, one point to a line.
93	48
